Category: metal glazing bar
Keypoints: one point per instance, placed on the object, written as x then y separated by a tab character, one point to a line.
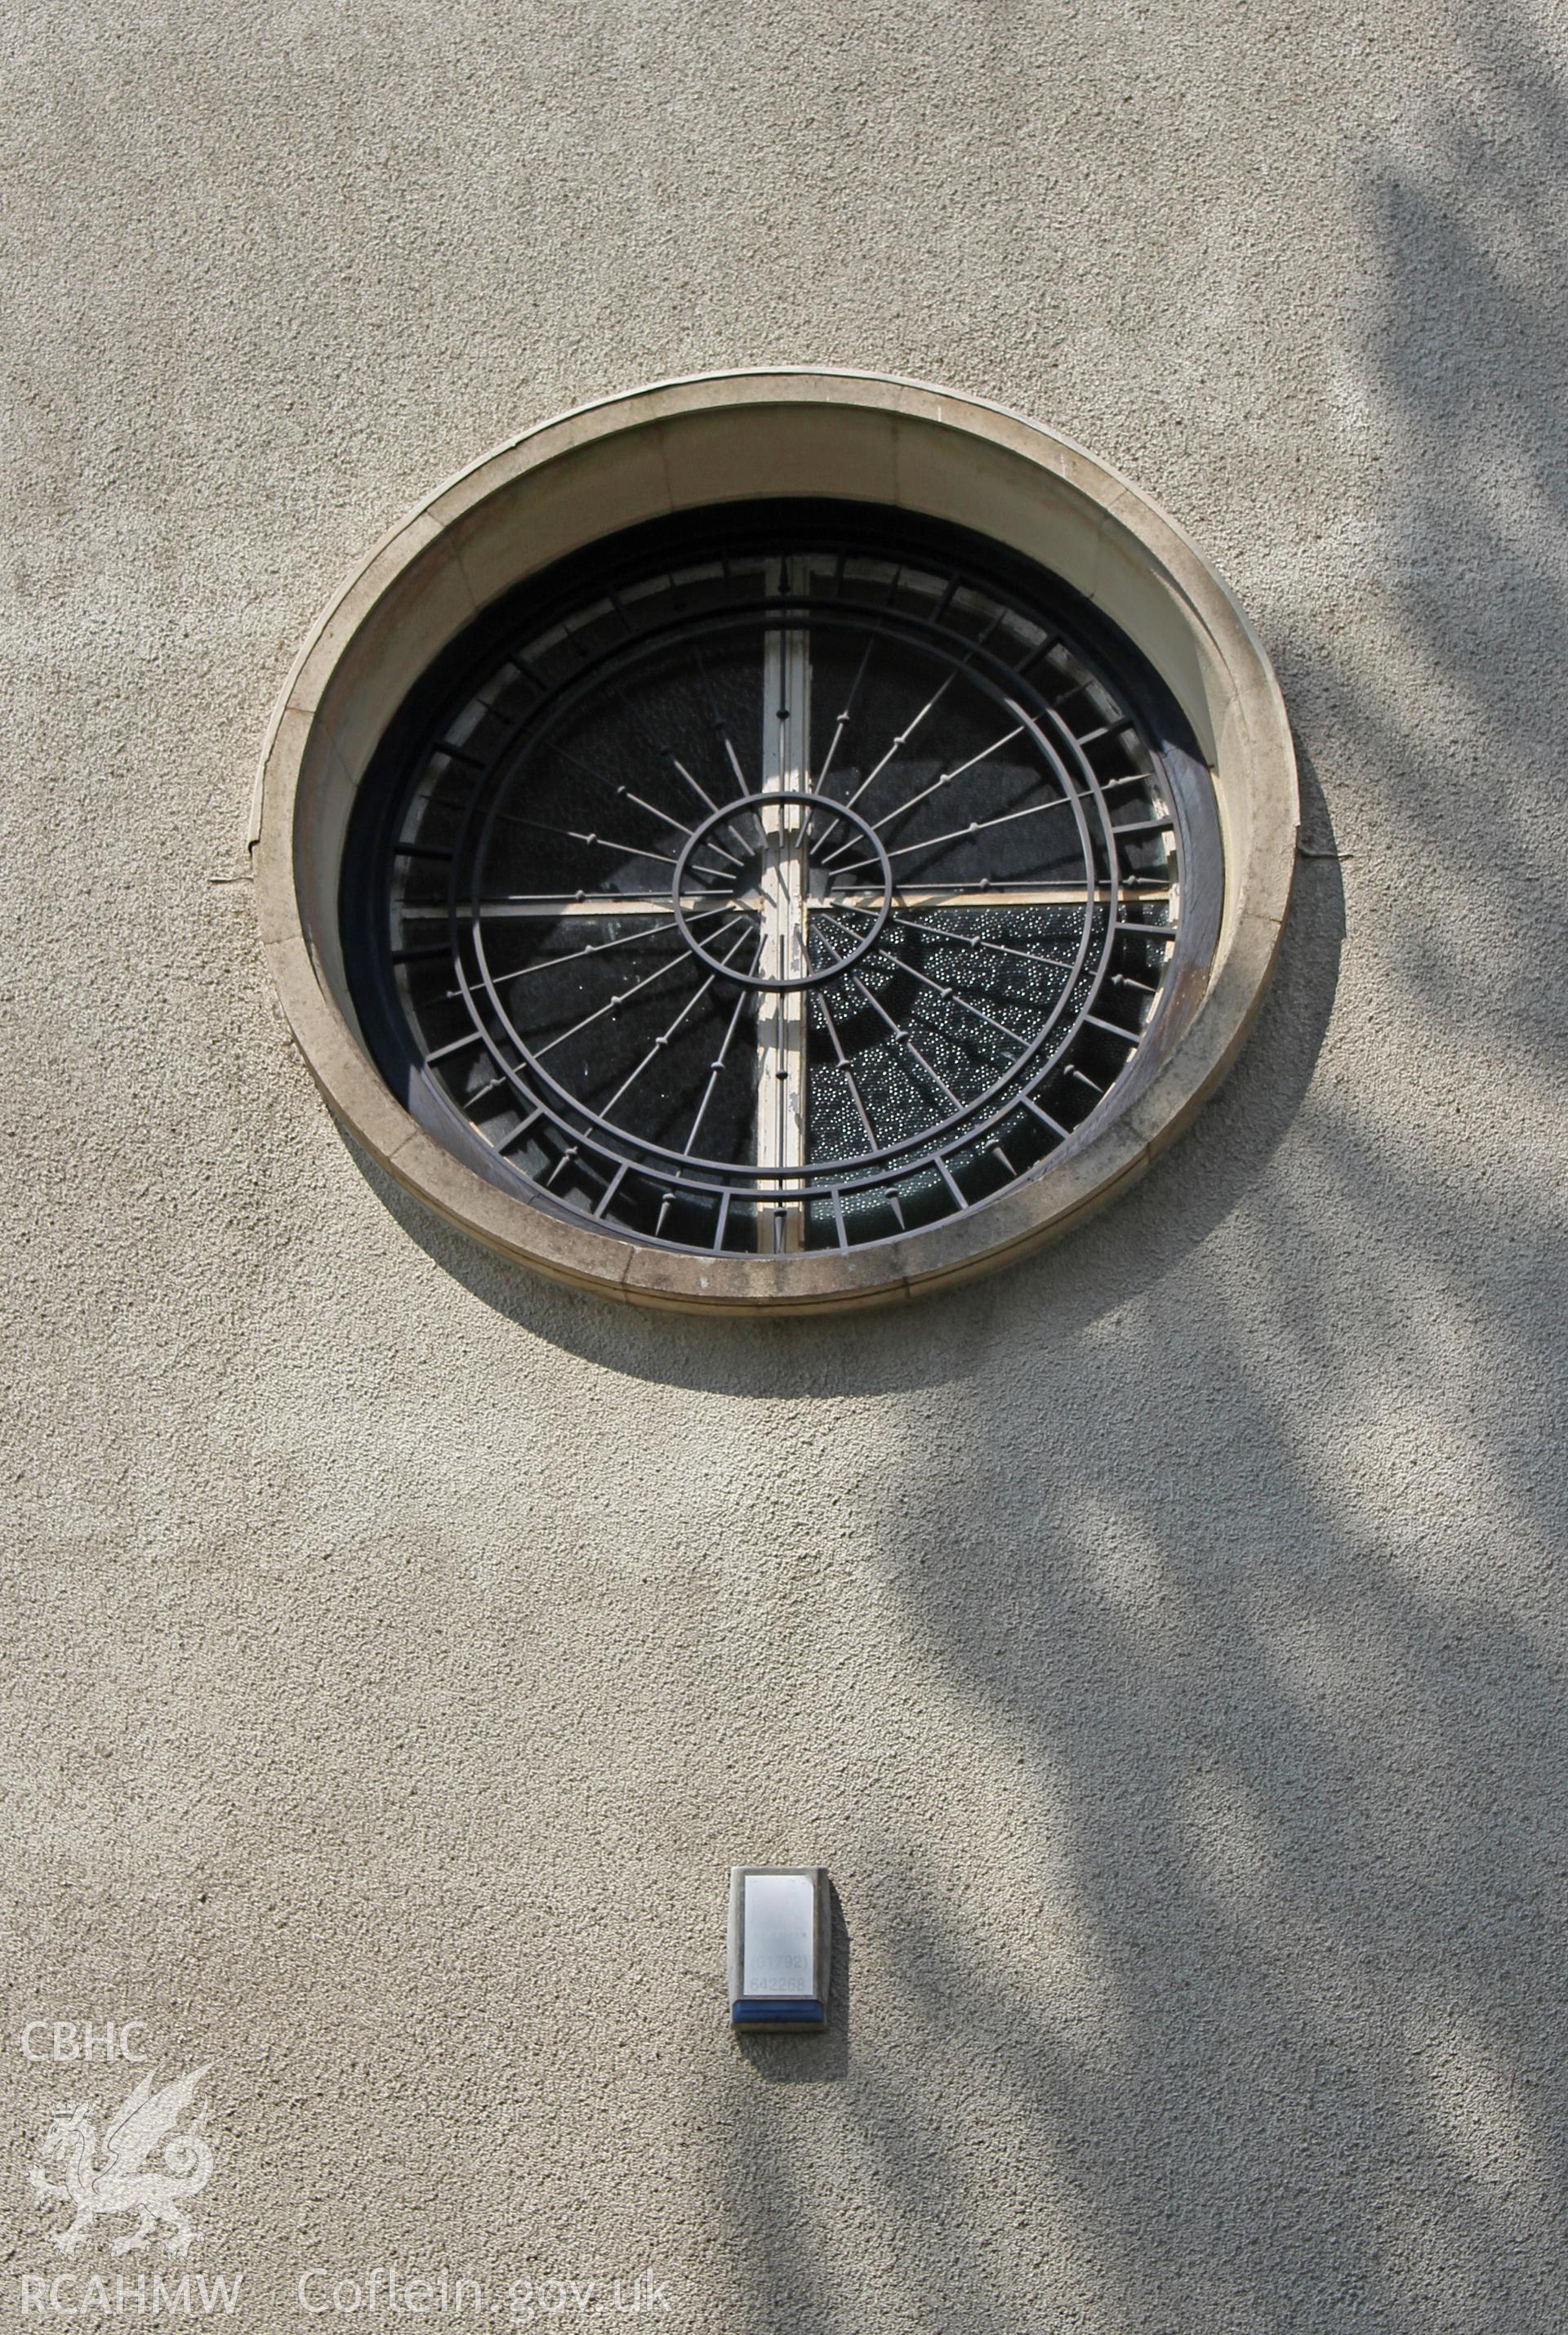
578	835
1003	896
977	941
518	1133
1044	1116
610	786
841	721
847	1067
678	826
663	1040
967	940
1067	796
947	991
622	997
556	906
982	826
571	956
748	997
456	1045
946	778
907	1041
611	1189
720	726
962	666
902	738
695	785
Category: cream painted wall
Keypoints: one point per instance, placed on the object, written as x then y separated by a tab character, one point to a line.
1163	1642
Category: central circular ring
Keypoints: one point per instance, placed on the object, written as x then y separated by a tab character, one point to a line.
751	807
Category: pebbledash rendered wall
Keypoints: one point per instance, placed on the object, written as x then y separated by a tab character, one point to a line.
1162	1642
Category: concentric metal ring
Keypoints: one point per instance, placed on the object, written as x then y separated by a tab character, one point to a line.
784	886
363	887
757	810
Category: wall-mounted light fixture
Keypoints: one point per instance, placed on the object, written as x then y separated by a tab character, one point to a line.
779	1946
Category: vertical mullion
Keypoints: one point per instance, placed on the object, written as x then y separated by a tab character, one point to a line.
781	1017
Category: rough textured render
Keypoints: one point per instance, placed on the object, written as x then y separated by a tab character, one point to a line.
1162	1644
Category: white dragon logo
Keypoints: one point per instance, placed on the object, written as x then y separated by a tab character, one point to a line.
125	2183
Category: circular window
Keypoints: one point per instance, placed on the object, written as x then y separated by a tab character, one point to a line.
782	878
729	895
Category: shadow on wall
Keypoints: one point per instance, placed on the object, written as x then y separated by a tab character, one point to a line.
1188	1191
820	2057
1235	1577
1278	1635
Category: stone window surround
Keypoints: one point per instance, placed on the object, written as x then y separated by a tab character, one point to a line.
739	436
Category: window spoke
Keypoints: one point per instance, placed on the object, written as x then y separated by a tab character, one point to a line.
824	1039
